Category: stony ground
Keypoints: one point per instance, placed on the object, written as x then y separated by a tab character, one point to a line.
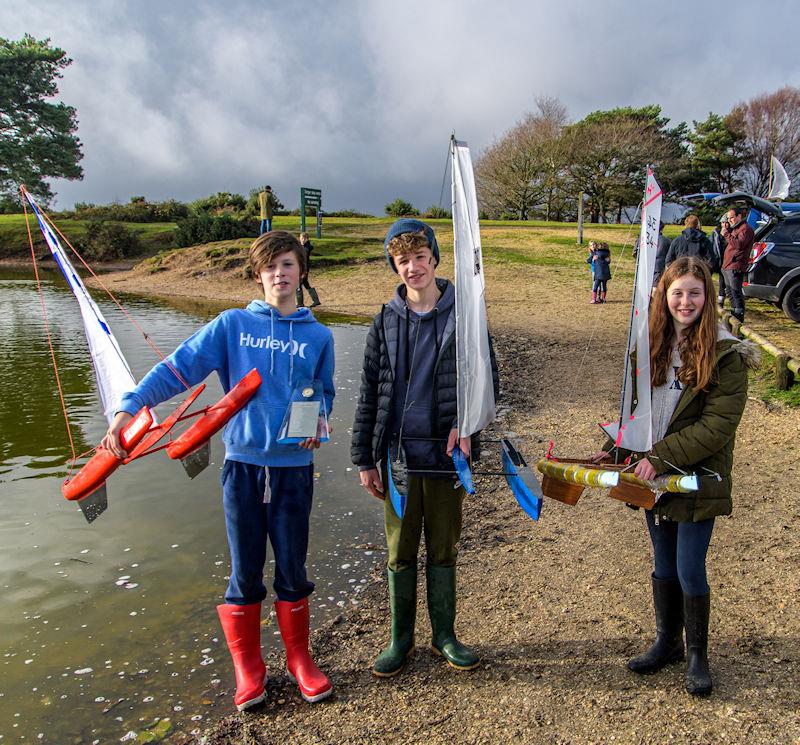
555	606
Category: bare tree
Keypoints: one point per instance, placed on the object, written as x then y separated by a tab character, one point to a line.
769	125
519	171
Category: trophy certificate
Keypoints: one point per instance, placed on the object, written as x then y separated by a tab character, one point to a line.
306	416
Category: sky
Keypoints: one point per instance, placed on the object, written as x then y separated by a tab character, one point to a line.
187	98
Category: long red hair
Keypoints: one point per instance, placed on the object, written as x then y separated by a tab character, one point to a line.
698	347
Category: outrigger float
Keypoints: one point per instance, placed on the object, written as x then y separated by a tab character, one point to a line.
142	433
564	479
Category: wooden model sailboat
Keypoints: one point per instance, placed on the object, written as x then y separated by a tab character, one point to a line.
564	479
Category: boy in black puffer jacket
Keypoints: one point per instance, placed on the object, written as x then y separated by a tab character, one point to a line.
408	397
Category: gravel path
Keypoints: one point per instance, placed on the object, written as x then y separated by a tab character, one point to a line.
557	606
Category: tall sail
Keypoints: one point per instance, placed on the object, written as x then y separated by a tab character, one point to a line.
475	391
634	431
779	181
111	369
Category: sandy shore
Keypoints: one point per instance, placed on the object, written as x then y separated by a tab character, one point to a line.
555	607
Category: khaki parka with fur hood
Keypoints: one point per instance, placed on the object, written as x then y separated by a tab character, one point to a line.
701	435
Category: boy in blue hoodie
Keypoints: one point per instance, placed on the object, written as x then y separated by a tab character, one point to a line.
267	487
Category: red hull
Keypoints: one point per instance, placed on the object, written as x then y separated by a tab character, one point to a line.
216	417
102	464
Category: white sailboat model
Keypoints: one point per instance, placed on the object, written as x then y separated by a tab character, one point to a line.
475	385
475	390
565	479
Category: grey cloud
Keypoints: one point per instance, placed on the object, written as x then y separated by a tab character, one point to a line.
185	99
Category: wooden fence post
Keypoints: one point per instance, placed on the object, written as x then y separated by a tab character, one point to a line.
783	375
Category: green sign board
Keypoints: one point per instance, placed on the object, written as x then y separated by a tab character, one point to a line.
310	198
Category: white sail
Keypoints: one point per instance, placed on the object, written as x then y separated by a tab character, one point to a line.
779	182
111	369
475	390
634	431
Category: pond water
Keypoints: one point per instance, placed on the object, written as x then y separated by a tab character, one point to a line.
107	626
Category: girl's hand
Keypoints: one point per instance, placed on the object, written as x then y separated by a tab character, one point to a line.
464	443
371	481
644	470
112	441
599	456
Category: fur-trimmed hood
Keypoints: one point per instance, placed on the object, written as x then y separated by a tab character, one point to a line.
749	350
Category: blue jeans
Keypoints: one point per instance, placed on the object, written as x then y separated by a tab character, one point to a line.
283	520
266	226
679	552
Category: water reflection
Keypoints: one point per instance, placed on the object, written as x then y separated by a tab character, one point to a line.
107	626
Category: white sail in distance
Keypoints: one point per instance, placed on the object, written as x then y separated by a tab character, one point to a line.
779	183
475	389
111	369
634	431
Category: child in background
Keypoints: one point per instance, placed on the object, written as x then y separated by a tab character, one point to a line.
267	487
306	243
600	260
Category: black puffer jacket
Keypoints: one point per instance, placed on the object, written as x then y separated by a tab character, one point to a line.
372	424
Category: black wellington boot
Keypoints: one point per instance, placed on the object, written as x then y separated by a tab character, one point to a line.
668	646
696	611
314	297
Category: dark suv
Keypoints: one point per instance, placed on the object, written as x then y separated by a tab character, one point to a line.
773	273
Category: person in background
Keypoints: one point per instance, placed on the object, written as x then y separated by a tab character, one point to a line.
600	259
306	242
265	206
739	237
691	242
718	244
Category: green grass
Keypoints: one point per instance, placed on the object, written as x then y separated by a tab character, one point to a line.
762	385
154	236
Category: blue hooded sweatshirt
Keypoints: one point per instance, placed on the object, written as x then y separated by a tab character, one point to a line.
285	349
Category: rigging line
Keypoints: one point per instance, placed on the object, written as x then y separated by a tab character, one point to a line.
444	175
630	327
408	384
47	328
597	319
119	305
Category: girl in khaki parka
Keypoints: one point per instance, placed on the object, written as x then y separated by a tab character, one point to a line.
699	390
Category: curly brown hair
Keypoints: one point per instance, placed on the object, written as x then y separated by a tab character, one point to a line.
698	347
407	243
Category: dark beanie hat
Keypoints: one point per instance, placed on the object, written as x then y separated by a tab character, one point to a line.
409	225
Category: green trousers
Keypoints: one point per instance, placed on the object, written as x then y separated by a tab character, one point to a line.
433	505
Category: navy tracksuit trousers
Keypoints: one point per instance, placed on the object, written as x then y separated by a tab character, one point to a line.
250	521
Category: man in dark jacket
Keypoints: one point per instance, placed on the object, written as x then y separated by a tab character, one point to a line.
691	242
739	237
408	399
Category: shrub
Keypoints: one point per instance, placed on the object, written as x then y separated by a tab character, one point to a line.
401	208
435	212
205	228
137	210
106	241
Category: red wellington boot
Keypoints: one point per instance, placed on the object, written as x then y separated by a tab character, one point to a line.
293	623
242	627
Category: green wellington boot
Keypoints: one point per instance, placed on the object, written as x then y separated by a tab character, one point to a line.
442	610
403	604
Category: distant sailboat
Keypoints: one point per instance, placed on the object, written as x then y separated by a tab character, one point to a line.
779	181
